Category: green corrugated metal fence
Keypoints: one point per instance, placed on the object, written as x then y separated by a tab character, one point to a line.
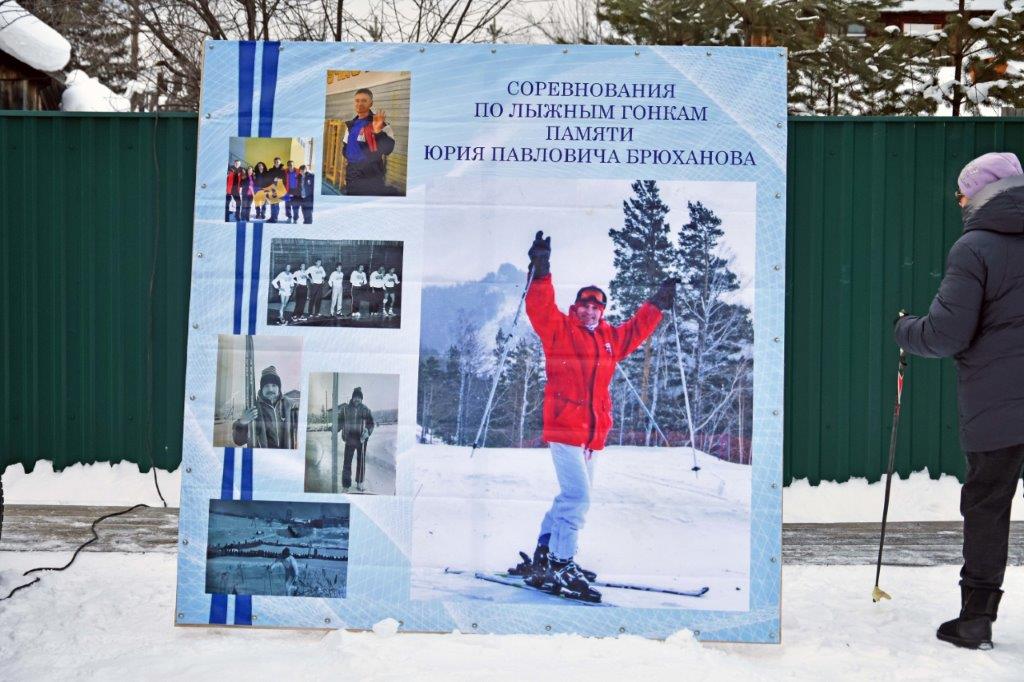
93	366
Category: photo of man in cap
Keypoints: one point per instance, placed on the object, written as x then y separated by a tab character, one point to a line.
355	426
270	417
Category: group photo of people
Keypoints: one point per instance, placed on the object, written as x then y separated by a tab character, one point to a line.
267	173
366	133
339	283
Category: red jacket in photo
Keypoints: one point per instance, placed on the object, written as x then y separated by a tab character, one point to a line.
580	365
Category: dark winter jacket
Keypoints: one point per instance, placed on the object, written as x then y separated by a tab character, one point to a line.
580	365
978	318
353	420
308	183
272	428
365	152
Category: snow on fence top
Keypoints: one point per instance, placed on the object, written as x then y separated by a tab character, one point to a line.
29	40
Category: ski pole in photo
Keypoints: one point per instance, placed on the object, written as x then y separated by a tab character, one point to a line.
877	594
686	392
501	365
650	415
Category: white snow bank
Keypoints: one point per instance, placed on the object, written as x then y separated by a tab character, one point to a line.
918	498
118	485
26	38
85	93
109	617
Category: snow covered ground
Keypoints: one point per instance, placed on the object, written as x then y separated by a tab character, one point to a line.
109	617
652	521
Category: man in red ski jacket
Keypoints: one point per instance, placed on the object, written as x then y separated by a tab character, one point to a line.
581	352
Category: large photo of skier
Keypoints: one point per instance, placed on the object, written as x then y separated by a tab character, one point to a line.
636	389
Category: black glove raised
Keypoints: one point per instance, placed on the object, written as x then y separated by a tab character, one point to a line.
665	296
540	255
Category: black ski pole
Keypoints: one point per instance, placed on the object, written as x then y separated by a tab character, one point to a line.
877	594
501	363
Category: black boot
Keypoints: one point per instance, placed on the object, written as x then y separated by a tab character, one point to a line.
537	568
973	629
567	578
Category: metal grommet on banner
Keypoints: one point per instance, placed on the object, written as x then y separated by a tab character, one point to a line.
474	626
776	267
547	628
778	125
708	53
199	254
775	412
184	541
188	470
774	560
622	629
636	53
192	396
778	195
203	185
565	51
775	486
180	615
776	339
401	623
494	50
254	616
195	325
327	621
696	633
351	49
280	48
207	114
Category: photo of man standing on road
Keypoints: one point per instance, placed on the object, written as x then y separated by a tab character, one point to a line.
351	433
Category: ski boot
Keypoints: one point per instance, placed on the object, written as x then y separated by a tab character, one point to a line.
567	578
973	629
538	567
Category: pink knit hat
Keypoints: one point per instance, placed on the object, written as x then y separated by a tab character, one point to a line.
987	168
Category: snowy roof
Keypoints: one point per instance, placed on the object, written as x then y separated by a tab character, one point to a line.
29	40
84	93
944	6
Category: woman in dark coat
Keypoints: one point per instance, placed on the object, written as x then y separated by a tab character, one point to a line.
978	318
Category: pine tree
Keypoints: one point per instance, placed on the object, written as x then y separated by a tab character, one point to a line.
643	258
970	62
717	332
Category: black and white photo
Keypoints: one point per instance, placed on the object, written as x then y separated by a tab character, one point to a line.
352	433
281	549
257	395
335	283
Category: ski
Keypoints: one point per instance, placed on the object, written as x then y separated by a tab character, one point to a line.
517	581
699	592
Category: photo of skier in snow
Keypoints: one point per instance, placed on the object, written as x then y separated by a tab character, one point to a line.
581	352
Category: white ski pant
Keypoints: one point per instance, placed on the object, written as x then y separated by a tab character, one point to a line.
336	299
574	467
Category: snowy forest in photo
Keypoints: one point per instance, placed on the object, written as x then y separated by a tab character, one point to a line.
709	335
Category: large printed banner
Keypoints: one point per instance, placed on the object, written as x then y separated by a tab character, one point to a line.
487	338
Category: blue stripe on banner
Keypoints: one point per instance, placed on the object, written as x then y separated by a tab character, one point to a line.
239	275
254	272
219	609
243	609
268	84
246	75
227	481
246	492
